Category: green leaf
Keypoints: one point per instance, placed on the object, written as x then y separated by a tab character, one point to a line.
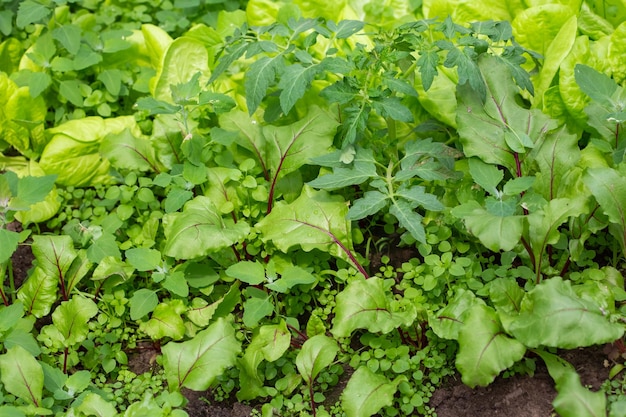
252	273
371	203
365	304
485	125
495	232
294	82
572	400
259	77
31	190
367	393
317	353
71	319
392	107
143	259
94	405
196	363
70	89
315	220
112	80
428	63
142	302
448	321
166	321
291	276
125	151
38	82
200	230
256	308
54	254
347	28
409	219
600	87
484	349
176	284
22	375
8	244
69	36
581	321
86	57
363	168
39	292
29	12
609	189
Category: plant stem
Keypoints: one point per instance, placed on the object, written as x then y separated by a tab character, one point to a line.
11	280
66	353
313	405
4	297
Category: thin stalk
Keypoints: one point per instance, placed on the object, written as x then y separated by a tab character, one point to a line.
66	353
313	405
11	280
4	297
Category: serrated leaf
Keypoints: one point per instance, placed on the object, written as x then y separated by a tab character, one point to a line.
195	364
112	80
255	309
371	203
427	63
38	82
86	57
259	77
22	375
363	168
367	393
418	197
155	106
488	176
31	190
409	219
347	28
200	229
581	321
294	82
364	304
317	353
393	107
290	277
484	349
517	186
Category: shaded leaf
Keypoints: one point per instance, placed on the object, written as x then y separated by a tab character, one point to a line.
317	353
367	393
22	375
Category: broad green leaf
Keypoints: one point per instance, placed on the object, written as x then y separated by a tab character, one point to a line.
572	400
166	321
495	232
269	343
418	197
24	124
31	190
555	156
200	312
597	85
38	82
10	411
252	273
94	405
543	225
176	199
22	375
581	321
143	259
484	349
517	186
71	319
196	363
365	304
125	151
185	50
317	353
86	57
609	189
483	125
347	28
256	308
176	284
447	322
39	292
367	393
54	254
102	247
315	220
392	107
79	268
8	244
69	37
291	276
200	229
142	302
9	315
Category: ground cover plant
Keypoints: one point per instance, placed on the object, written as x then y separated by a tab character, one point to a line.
225	187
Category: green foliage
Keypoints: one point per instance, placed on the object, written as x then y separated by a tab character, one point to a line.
229	184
